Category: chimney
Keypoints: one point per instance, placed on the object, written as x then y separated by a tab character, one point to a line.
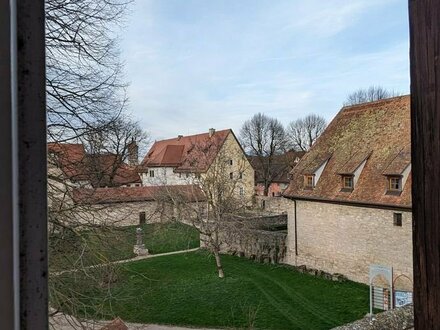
179	137
133	153
211	132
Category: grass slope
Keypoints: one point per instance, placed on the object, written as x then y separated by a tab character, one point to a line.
185	290
116	243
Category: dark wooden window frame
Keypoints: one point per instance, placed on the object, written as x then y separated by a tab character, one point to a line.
23	189
397	219
23	247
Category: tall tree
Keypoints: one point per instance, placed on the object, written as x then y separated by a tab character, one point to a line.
213	197
264	138
373	93
302	133
86	97
84	82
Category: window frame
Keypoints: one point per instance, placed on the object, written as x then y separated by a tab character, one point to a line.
399	182
308	177
346	187
397	219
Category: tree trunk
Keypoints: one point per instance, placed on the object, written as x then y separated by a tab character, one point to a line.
218	262
266	188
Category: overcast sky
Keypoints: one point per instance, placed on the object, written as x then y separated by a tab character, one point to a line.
195	64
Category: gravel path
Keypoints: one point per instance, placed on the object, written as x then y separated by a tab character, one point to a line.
67	322
148	256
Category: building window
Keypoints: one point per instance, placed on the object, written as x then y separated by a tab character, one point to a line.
142	218
241	191
397	219
137	185
347	182
395	184
151	174
240	175
231	175
309	181
230	162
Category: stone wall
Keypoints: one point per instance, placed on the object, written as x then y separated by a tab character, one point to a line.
396	319
275	205
128	213
123	214
348	239
260	238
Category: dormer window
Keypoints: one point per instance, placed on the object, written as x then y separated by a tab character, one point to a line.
309	181
347	182
395	183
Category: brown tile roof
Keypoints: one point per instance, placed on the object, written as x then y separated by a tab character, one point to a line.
100	169
190	193
378	132
105	170
183	152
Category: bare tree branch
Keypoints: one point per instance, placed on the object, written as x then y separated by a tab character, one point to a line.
373	93
302	133
264	138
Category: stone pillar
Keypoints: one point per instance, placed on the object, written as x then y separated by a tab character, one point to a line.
139	248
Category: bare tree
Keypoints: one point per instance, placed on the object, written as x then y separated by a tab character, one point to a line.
86	96
373	93
302	133
213	196
263	138
85	87
112	147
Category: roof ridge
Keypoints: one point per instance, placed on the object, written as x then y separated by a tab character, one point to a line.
193	135
368	105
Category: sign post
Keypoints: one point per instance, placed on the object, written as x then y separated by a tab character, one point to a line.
387	273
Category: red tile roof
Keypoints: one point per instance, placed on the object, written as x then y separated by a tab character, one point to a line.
378	132
190	193
185	152
100	169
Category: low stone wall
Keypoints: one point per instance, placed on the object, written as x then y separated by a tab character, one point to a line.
260	245
258	238
396	319
274	204
129	213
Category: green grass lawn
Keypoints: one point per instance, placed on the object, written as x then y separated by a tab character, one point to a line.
110	244
185	290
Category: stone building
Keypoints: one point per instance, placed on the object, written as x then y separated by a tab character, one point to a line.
351	194
187	160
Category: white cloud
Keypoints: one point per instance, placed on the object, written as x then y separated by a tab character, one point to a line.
216	69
